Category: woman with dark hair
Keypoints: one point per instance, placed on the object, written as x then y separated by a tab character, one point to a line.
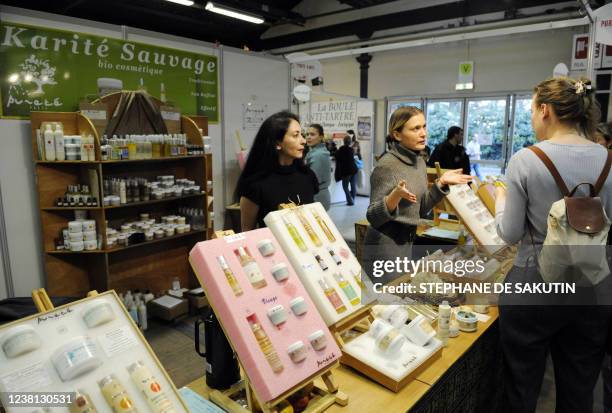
346	170
274	172
318	159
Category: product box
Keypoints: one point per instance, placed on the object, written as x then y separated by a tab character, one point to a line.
168	308
265	311
322	259
89	350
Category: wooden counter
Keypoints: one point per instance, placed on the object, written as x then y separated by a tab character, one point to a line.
462	379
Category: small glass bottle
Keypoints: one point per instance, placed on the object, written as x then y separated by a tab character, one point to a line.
332	296
322	264
347	289
323	225
229	275
265	344
357	278
156	147
335	257
82	403
294	234
308	228
251	269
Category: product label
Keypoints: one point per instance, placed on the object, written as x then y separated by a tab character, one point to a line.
29	378
94	114
233	238
253	273
118	341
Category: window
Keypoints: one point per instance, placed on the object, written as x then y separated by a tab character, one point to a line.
441	115
485	123
523	134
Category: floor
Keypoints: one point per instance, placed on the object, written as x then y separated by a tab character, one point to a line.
174	343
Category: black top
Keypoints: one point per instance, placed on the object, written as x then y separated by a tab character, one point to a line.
450	157
284	184
345	163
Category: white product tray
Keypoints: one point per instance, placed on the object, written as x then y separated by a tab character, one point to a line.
119	344
396	366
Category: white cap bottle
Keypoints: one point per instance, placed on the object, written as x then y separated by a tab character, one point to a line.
58	136
49	143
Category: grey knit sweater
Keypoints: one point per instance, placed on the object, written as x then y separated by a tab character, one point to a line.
397	164
532	191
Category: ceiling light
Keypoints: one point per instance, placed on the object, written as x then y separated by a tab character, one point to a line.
232	13
183	2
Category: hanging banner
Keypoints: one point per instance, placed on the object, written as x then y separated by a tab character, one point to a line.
45	69
338	116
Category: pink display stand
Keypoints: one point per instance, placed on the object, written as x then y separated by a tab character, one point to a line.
234	312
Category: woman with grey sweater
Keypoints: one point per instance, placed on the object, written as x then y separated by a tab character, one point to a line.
564	117
399	195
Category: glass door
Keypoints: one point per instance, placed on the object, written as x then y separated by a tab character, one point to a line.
485	134
522	133
441	115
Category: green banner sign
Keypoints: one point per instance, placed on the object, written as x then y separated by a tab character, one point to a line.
52	70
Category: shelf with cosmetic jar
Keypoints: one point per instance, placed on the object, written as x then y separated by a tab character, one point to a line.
91	354
267	314
160	186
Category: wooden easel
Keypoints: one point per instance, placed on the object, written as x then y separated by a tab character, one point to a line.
445	223
323	399
43	302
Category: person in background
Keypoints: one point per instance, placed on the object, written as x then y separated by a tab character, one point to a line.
473	152
564	116
450	153
399	192
354	143
318	159
603	135
346	170
275	172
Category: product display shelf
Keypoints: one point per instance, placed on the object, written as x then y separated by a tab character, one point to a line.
155	201
72	348
155	241
73	273
152	160
325	388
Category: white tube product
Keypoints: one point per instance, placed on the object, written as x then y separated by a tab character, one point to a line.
49	143
58	136
142	316
150	387
444	315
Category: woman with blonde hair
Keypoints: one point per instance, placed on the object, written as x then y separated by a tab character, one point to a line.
399	194
572	328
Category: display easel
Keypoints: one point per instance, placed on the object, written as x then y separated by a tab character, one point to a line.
445	223
323	399
43	302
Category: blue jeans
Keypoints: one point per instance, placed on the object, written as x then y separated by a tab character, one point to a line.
476	168
350	195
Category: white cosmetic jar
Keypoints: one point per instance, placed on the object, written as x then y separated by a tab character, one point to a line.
75	358
297	352
89	225
20	340
280	271
98	312
277	315
318	341
266	247
298	306
89	236
419	331
75	226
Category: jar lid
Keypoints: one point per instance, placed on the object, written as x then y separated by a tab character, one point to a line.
297	300
466	316
295	346
316	335
17	330
278	266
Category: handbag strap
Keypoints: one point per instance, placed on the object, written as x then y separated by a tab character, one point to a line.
552	168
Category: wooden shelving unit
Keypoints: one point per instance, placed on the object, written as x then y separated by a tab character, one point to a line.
202	124
150	265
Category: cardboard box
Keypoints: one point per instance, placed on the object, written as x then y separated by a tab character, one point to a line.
158	307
